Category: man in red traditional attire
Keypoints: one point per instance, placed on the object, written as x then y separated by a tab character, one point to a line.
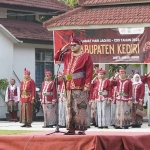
62	101
12	98
146	52
146	80
123	100
113	103
27	92
103	99
92	100
78	68
48	100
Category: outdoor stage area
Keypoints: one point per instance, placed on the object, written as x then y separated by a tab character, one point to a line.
95	139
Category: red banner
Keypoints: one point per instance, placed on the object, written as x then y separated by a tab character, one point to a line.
118	45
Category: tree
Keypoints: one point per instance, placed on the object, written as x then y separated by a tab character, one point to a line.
115	68
70	3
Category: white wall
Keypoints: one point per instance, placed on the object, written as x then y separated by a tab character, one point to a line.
24	57
6	63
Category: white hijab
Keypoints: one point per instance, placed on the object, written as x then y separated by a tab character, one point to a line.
135	82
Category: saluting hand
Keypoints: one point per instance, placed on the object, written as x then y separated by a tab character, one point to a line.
141	103
65	47
108	102
53	103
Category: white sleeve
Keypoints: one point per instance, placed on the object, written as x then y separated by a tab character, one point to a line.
6	95
18	93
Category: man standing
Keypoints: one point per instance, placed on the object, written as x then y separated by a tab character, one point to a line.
62	101
48	100
78	68
113	103
103	99
12	98
27	90
123	100
146	80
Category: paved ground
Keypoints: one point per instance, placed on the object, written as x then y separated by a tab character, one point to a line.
37	126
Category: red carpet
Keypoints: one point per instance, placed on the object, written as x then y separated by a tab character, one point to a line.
91	141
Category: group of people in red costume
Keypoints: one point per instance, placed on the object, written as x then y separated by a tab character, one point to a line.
80	96
118	101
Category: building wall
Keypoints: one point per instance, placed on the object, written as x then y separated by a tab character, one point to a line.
24	57
6	63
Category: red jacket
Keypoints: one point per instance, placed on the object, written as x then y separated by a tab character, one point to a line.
123	86
101	86
27	91
138	92
76	64
48	87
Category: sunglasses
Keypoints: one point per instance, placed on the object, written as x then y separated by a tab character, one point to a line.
73	45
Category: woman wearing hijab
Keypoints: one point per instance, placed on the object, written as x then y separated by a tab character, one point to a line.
138	91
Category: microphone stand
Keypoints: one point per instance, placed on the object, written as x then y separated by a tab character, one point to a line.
56	84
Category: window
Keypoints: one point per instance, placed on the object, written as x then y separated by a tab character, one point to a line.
44	60
20	15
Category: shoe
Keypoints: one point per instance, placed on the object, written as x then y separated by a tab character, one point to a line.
106	127
81	133
29	126
45	126
23	125
50	126
15	120
62	126
100	127
69	133
116	127
125	127
11	120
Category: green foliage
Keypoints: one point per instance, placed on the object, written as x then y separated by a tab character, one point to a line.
138	65
115	68
3	86
70	3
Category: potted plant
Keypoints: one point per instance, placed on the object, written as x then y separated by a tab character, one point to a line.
3	86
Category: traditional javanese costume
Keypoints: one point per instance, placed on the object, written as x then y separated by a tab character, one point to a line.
124	94
138	91
113	103
92	99
48	94
27	91
12	98
78	70
103	92
146	79
62	102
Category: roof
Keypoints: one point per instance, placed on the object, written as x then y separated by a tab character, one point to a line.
108	2
102	15
8	34
27	30
41	4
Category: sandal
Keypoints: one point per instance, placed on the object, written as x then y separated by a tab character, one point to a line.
81	133
69	133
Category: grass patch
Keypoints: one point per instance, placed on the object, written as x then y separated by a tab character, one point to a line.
11	132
